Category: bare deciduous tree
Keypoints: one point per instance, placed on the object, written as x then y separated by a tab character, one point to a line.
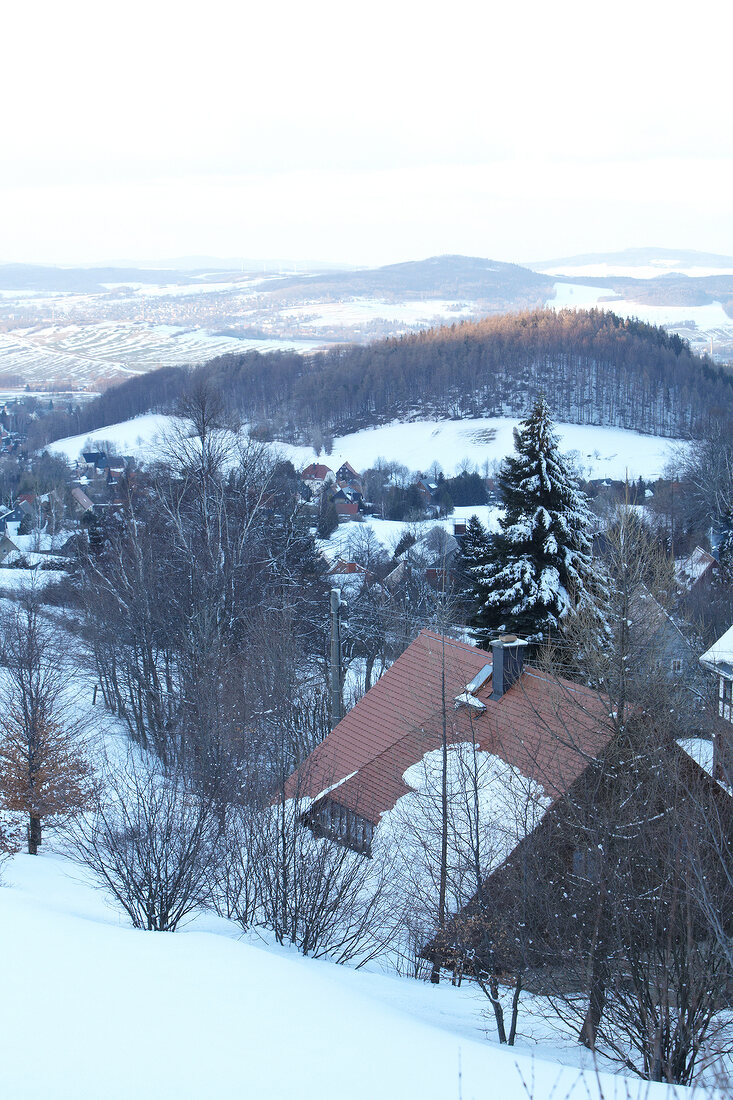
151	840
44	769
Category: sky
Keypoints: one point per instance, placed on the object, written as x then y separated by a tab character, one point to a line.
363	133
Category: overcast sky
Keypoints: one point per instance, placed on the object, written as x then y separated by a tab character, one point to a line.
363	133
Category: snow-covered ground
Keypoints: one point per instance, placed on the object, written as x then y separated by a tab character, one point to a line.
85	352
704	326
360	311
632	270
390	531
91	1008
18	580
140	437
582	296
600	452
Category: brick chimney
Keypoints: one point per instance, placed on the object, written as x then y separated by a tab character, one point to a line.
508	661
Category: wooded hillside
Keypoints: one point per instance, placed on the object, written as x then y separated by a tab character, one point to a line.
594	368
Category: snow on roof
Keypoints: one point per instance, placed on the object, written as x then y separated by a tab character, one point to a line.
700	750
400	719
720	655
689	570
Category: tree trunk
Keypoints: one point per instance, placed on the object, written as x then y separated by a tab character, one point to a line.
435	974
497	1007
596	1002
515	1010
34	835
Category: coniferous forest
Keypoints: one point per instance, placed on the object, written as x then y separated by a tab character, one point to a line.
593	367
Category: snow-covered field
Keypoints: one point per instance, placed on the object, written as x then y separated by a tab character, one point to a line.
114	349
582	296
18	580
698	324
140	437
360	311
91	1008
599	452
636	271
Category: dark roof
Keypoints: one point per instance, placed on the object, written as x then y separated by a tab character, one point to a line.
549	729
691	570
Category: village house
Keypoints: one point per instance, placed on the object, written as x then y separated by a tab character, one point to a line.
552	732
316	475
82	503
491	699
719	660
695	573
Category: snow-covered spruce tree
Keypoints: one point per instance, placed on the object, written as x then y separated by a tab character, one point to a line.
539	567
476	553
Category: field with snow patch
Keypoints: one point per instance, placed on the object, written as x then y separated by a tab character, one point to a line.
598	452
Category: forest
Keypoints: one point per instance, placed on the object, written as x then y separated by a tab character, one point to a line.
593	367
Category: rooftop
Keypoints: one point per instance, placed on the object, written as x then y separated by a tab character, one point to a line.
546	728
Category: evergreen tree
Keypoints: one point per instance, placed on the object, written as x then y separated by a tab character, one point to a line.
539	568
476	552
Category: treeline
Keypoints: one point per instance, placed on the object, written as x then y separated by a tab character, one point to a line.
593	367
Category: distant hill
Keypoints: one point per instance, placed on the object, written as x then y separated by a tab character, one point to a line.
594	368
81	280
662	259
453	277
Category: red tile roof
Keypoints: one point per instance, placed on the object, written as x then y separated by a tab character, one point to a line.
316	472
547	728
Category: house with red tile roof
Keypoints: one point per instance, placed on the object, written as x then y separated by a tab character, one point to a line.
545	729
316	475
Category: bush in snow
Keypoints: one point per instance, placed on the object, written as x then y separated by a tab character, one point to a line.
151	841
310	890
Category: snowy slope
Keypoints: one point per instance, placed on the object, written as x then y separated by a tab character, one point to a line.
140	437
601	452
91	1008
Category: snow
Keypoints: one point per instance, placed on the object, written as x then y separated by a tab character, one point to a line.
93	1008
702	317
599	452
82	353
17	580
703	325
636	271
721	652
390	531
140	437
509	806
700	750
362	311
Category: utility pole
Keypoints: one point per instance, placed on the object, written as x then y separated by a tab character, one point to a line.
337	704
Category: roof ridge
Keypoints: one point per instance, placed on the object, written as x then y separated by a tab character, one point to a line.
444	638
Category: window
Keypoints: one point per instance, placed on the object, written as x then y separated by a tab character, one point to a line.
587	863
343	825
725	699
676	665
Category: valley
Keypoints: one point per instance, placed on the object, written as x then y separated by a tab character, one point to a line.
82	329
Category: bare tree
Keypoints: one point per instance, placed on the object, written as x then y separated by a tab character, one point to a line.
44	769
151	840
